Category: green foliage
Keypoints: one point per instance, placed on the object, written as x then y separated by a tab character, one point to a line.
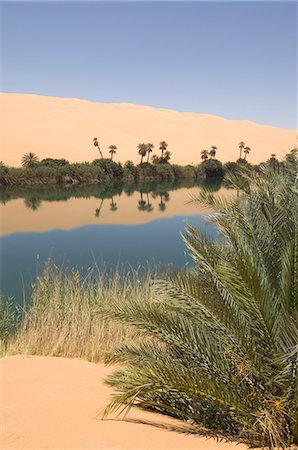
142	151
109	167
222	338
112	150
212	168
30	160
9	319
212	184
204	155
130	169
3	168
231	167
50	162
243	163
53	175
292	156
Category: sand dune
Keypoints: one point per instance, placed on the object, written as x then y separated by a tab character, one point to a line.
52	403
64	128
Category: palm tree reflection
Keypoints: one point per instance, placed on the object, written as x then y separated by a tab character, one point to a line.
32	203
97	211
113	205
145	205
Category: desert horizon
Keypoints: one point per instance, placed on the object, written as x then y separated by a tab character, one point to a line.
55	127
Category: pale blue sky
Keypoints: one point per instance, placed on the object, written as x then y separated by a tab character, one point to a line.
233	59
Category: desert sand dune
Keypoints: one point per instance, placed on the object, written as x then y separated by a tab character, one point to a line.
64	128
52	403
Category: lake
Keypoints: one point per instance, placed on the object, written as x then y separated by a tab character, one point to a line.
118	227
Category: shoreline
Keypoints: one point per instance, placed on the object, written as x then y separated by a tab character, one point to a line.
96	174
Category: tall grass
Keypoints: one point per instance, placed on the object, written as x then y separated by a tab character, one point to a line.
62	318
9	320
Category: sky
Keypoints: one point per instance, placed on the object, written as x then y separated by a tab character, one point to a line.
233	59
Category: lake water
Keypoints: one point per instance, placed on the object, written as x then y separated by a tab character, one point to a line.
117	226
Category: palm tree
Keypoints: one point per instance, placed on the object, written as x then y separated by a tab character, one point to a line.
241	147
246	151
150	148
96	144
167	156
219	341
163	146
30	160
273	160
142	151
204	155
212	152
155	159
112	150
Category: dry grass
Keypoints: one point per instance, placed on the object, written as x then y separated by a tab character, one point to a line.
62	319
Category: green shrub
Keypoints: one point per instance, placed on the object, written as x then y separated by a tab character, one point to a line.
231	166
243	163
212	168
109	167
147	169
130	167
3	168
50	162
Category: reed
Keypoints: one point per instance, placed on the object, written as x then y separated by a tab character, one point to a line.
63	319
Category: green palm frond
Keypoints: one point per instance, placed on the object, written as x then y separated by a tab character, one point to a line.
220	341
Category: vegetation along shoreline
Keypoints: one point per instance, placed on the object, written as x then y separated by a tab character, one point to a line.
49	171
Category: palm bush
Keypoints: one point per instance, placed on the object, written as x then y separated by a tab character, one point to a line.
223	347
50	162
30	160
212	168
109	167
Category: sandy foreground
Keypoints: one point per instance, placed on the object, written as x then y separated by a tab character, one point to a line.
64	128
52	403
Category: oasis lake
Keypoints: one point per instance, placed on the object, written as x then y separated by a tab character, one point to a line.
122	227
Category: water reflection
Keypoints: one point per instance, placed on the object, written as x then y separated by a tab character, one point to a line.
71	206
113	205
97	211
32	203
77	226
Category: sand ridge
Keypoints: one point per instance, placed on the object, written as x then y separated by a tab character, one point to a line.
52	403
64	128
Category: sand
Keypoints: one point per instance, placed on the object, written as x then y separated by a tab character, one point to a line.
64	128
52	403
